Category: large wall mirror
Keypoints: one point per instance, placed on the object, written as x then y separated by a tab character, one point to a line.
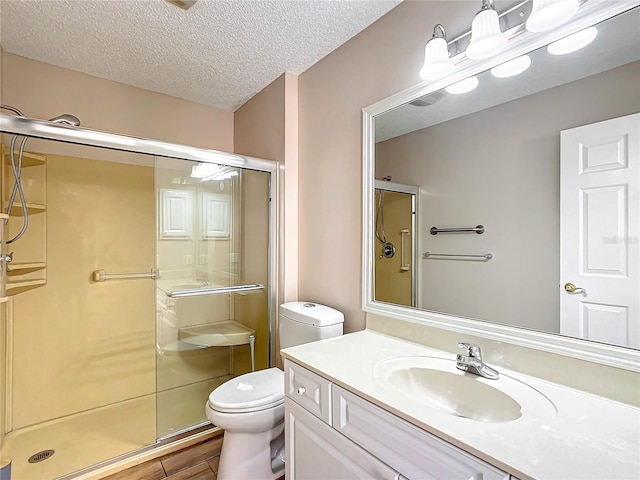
528	188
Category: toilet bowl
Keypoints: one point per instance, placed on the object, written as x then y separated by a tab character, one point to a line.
250	407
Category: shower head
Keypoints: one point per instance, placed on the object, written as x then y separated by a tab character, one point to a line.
66	119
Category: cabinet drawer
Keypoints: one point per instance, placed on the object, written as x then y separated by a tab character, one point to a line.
402	446
309	390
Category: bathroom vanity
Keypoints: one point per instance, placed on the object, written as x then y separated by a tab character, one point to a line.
367	405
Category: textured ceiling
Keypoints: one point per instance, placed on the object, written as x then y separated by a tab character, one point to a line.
217	53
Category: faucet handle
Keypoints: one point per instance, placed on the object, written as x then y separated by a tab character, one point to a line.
473	350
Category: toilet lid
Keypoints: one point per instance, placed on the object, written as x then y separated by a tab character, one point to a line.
249	392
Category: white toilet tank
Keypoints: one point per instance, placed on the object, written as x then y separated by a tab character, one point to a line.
304	322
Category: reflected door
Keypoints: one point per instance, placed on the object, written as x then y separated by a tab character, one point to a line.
395	273
600	218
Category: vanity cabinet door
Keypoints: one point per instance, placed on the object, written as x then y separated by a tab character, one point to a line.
415	453
315	451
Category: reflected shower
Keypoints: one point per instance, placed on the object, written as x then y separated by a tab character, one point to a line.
388	249
16	166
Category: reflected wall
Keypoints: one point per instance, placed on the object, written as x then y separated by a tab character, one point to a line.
500	168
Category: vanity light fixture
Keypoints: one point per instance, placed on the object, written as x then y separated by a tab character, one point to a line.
463	86
512	67
549	14
574	42
437	63
487	39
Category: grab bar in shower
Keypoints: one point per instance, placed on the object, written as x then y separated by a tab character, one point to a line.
479	229
404	265
196	292
101	275
486	256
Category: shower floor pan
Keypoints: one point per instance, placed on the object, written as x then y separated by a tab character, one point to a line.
220	334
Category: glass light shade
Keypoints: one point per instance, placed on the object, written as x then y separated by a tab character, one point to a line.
512	67
549	14
437	63
486	37
574	42
463	86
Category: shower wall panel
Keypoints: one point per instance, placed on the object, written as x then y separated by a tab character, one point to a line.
78	344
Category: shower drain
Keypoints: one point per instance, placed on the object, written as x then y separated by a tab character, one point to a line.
41	456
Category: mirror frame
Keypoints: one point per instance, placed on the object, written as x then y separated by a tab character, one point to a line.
591	13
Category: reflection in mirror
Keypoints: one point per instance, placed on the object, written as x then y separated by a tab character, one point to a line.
548	161
395	225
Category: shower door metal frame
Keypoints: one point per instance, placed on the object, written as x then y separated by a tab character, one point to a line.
14	125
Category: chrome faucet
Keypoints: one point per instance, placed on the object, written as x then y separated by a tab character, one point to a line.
472	362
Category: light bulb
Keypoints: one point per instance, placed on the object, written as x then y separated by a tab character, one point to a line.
549	14
437	63
463	86
512	67
487	39
203	170
574	42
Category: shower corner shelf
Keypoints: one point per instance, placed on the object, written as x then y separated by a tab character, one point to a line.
221	334
19	287
29	159
29	267
18	268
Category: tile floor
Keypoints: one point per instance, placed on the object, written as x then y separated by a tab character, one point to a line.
199	462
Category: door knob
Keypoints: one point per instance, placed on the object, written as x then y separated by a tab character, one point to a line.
571	288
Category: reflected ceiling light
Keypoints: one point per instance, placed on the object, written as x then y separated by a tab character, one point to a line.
512	67
437	63
464	86
574	42
487	39
549	14
204	170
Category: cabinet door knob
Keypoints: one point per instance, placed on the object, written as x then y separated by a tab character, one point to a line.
301	390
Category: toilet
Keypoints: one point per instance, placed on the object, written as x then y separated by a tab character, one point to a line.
250	407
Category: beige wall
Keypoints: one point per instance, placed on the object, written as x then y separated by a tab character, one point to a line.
267	127
381	60
44	91
510	184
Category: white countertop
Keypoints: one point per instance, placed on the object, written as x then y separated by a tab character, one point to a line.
588	438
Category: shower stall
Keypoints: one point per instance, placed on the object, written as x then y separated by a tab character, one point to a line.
144	279
396	227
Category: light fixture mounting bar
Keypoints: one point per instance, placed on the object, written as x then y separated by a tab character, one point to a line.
512	23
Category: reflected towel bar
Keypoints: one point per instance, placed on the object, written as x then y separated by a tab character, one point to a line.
486	256
479	229
101	275
214	290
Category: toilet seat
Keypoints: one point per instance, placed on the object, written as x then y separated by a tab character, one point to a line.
250	392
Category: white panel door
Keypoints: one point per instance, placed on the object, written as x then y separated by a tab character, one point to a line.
600	230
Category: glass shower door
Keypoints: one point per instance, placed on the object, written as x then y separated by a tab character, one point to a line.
212	309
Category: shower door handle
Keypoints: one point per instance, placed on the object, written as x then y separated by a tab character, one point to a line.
404	265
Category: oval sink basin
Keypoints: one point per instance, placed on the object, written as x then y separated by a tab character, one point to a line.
437	383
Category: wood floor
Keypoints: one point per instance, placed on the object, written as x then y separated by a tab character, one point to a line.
199	462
